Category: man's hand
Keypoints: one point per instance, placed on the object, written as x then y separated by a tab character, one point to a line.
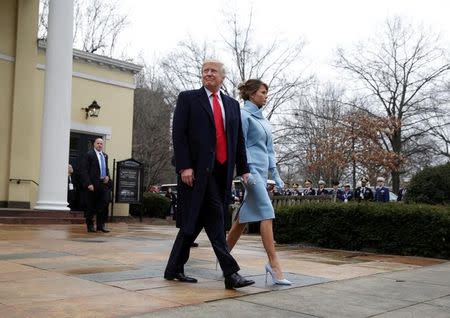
90	187
105	179
245	177
187	176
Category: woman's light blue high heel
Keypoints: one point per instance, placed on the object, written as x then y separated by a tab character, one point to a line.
274	279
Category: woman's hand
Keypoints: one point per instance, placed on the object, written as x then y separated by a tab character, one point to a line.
245	177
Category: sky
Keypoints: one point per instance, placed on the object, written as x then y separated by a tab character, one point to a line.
157	26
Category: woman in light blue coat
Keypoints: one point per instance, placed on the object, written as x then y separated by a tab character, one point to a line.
257	205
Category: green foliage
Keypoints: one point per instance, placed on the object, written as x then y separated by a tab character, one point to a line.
155	205
431	185
394	228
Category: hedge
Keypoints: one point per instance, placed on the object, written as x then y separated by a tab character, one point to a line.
431	186
155	205
404	229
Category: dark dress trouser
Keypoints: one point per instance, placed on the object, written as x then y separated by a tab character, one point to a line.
96	203
212	219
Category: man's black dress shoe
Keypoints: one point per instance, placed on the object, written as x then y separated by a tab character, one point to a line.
194	244
103	230
179	276
237	281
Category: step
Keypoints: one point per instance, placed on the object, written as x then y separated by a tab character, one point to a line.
39	213
39	220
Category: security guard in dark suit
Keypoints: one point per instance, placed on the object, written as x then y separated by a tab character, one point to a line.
336	191
321	190
363	193
308	188
347	194
95	176
381	192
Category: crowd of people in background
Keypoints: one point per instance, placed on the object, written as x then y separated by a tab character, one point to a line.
341	192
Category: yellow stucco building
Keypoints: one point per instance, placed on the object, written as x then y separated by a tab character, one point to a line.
23	67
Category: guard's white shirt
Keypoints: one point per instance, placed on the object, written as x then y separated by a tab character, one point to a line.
100	153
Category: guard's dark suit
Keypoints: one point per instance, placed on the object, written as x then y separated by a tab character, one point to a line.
97	200
363	194
381	194
203	205
322	191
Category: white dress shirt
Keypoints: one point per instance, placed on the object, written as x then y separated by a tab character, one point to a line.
220	102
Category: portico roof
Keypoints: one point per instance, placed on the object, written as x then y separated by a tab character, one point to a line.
98	59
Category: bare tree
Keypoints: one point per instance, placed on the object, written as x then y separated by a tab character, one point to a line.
151	134
245	59
97	25
151	127
275	63
441	132
181	69
401	72
299	131
43	19
331	141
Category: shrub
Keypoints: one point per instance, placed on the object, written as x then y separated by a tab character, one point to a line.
431	185
403	229
155	205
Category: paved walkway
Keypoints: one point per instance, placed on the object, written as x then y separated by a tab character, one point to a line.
62	271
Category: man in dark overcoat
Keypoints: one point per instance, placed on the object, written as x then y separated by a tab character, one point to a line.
208	144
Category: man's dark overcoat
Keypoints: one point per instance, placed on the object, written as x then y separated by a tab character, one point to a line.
194	142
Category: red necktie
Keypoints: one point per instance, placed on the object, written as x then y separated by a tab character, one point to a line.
221	139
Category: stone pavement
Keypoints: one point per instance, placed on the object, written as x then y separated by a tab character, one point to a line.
62	271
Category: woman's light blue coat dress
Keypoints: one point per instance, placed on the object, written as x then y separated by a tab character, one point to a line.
256	205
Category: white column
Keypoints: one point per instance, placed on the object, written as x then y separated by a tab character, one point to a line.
57	106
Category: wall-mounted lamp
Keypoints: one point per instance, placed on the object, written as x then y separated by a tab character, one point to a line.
92	110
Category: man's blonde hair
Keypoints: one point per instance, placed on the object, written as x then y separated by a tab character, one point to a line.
215	61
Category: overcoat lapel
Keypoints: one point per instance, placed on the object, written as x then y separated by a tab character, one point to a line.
228	129
94	155
227	114
205	104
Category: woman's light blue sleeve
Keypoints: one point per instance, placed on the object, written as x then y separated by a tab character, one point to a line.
276	177
245	124
271	153
272	165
